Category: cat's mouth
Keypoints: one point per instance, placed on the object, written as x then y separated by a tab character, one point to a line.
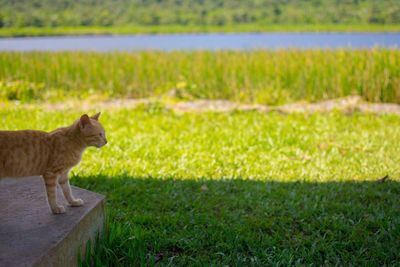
101	145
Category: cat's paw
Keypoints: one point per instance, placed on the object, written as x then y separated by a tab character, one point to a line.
76	202
58	210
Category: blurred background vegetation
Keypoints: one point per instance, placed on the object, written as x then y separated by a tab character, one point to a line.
63	13
266	77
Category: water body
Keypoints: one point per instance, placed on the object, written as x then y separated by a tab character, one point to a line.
215	41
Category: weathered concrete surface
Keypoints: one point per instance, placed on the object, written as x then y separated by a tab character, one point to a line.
30	235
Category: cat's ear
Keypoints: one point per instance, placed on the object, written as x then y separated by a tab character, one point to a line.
96	116
84	121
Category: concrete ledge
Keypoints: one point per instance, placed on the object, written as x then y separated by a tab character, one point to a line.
30	235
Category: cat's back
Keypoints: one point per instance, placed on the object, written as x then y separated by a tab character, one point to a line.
23	152
11	138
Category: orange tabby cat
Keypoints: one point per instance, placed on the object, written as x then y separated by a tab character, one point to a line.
51	155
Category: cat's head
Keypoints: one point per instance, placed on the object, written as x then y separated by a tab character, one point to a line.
92	132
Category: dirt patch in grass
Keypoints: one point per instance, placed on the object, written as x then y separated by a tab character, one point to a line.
346	105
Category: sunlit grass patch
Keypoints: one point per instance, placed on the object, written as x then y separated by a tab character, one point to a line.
246	145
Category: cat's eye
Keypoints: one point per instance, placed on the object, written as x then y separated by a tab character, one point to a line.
101	135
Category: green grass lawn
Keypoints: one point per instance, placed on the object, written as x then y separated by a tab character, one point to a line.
162	29
240	188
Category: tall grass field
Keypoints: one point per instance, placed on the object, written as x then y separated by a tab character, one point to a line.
267	77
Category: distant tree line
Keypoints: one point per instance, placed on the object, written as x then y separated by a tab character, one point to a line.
54	13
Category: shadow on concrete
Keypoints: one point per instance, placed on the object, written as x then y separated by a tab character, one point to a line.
244	222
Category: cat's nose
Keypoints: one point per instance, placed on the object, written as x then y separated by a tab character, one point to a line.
105	142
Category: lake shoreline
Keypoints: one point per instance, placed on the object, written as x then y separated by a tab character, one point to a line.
178	29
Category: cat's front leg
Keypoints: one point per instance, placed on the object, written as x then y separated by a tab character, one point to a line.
66	188
51	188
